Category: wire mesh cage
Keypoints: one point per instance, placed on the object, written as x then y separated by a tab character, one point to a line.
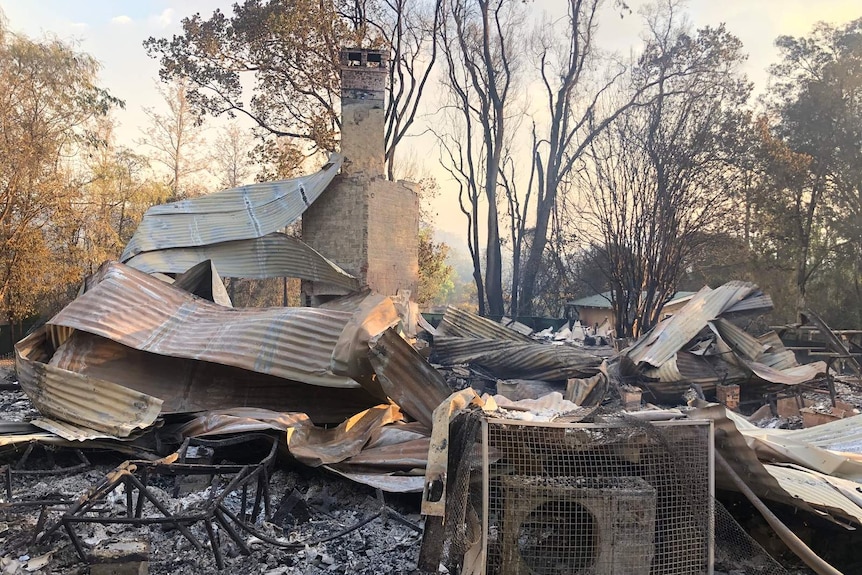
615	498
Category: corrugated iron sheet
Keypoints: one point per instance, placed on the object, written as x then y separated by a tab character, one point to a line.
188	385
670	335
273	255
202	279
507	359
317	446
246	212
141	312
771	482
811	448
84	401
459	323
409	380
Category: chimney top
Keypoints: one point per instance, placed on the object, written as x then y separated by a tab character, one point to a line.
364	58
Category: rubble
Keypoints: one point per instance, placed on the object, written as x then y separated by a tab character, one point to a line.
159	384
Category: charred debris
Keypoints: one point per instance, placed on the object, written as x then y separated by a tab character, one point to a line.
164	430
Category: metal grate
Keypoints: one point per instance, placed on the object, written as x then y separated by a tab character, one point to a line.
597	499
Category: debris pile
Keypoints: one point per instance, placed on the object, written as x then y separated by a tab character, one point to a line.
209	433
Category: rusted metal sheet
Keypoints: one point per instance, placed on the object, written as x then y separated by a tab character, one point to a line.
84	401
141	312
273	255
406	377
240	420
670	335
508	359
188	385
318	446
459	323
246	212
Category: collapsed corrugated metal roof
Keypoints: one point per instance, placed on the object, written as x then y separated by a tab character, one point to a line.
699	345
246	212
84	401
189	385
273	255
670	335
141	312
517	360
802	488
459	323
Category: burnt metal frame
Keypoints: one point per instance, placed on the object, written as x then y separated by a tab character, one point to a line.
126	475
10	470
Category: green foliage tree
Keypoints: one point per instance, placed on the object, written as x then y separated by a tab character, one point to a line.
436	276
48	99
811	191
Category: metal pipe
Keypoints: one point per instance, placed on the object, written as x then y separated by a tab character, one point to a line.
794	543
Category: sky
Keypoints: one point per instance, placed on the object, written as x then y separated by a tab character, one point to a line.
113	31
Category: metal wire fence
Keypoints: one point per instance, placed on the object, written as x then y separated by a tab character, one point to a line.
598	499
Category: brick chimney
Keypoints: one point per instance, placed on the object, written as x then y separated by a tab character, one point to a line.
363	87
363	222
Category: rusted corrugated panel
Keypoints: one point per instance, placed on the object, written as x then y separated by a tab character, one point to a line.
71	432
84	401
139	311
670	335
317	446
240	420
670	381
188	385
409	380
517	360
459	323
246	212
273	255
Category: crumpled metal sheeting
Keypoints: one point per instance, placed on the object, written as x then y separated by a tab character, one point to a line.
273	255
771	482
670	335
372	315
317	446
83	401
71	432
406	378
139	311
512	360
389	482
188	385
202	279
240	213
240	420
750	353
811	448
459	323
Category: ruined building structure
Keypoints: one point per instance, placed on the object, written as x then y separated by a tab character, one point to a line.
364	223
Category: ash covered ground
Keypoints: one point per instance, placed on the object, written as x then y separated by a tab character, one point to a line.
328	506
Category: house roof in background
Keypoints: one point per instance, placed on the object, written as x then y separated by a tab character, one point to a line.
603	300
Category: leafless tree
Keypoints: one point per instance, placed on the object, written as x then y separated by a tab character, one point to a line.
479	40
656	187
